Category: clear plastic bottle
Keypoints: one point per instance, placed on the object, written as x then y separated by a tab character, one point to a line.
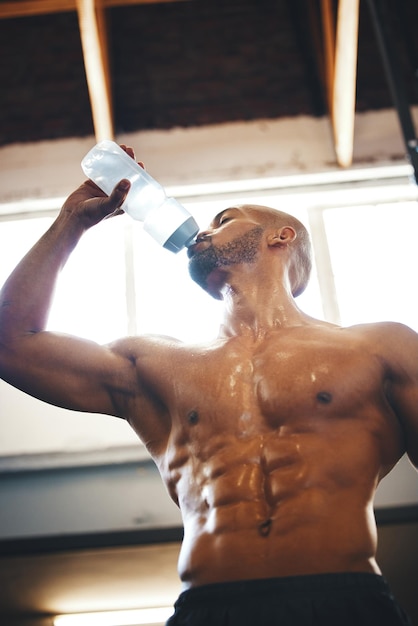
165	219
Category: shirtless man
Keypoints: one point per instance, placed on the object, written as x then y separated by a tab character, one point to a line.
271	439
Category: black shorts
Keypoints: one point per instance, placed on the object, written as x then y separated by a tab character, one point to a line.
321	600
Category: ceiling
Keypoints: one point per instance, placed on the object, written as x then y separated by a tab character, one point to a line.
70	68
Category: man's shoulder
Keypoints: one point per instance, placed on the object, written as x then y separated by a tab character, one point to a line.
154	346
142	350
385	331
372	331
393	342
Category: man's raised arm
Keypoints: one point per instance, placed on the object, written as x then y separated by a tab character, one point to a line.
46	365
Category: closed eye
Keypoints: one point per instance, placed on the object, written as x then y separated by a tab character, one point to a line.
225	216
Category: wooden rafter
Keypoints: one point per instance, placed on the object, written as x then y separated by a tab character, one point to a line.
95	53
328	30
344	80
340	44
27	8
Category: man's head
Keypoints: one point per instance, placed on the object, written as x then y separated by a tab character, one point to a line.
238	235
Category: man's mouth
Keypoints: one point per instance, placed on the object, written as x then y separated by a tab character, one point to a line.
191	251
196	247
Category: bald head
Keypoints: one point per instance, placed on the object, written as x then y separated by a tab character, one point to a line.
300	248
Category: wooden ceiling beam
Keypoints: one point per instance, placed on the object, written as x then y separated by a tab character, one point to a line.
345	79
328	30
102	26
35	7
95	53
28	8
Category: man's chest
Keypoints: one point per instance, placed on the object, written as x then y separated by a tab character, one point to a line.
276	380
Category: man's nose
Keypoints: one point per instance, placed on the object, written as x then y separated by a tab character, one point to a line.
204	234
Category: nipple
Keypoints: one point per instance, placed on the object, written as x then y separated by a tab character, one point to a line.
193	417
324	397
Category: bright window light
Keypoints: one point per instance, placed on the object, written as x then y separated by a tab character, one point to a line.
118	281
90	299
373	252
16	237
136	617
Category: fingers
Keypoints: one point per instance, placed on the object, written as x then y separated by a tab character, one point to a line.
118	195
130	151
100	206
122	187
90	204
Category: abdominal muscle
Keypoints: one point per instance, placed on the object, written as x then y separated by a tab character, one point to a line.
275	472
267	507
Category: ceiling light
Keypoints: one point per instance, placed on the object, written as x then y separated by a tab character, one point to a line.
135	617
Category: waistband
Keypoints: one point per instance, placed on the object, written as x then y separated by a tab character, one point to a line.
347	582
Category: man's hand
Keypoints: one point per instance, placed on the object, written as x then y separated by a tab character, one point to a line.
92	205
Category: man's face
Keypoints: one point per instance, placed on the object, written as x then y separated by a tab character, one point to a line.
206	264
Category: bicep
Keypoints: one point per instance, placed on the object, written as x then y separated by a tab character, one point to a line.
70	372
403	398
403	385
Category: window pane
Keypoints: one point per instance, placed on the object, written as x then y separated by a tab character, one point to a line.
374	255
90	300
168	302
16	238
91	295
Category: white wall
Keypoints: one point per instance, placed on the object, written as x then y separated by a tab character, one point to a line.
232	151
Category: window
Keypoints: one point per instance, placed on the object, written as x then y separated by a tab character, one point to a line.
374	254
118	281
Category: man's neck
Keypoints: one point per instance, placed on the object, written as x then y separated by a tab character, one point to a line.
259	310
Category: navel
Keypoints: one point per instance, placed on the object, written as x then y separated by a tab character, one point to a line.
193	417
264	528
324	397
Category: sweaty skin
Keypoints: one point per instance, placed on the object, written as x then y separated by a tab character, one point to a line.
271	439
275	451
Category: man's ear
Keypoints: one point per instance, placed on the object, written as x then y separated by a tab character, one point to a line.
281	237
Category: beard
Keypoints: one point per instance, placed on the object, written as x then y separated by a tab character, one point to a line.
240	250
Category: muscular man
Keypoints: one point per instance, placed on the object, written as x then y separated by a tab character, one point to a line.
272	439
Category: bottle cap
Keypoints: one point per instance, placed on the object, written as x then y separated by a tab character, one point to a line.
171	225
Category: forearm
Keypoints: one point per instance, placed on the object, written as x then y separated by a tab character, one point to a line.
25	298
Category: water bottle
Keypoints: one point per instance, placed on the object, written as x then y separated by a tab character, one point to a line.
165	219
